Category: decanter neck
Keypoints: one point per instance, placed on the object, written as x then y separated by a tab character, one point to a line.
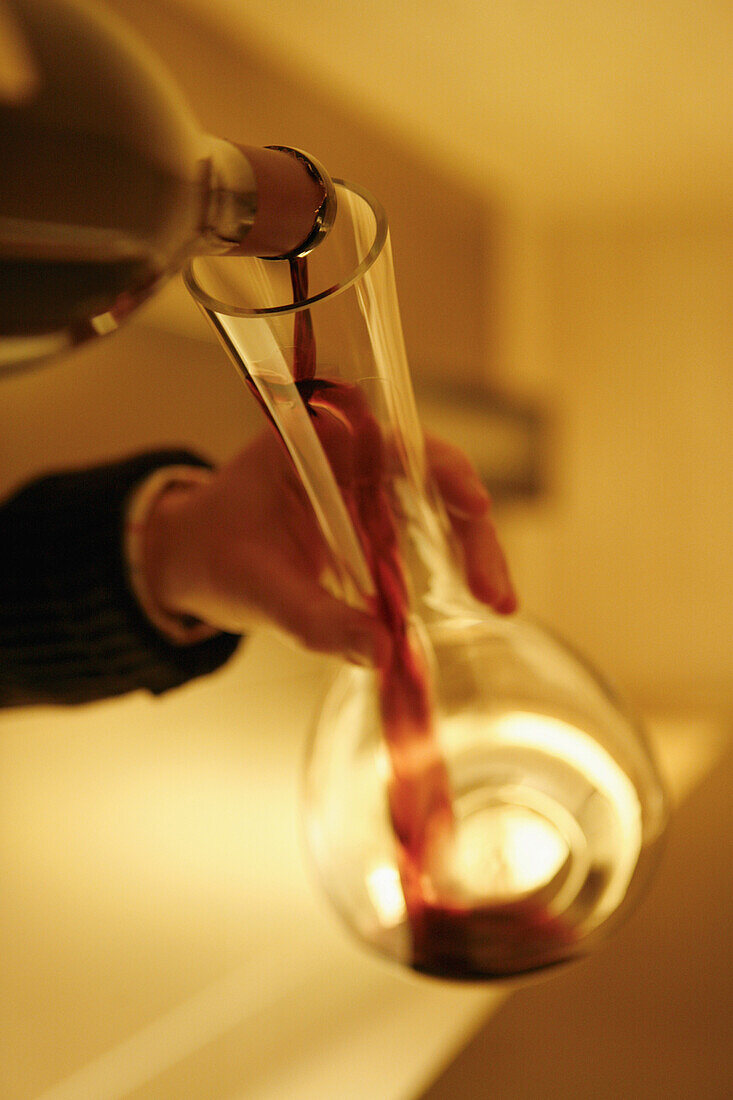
430	549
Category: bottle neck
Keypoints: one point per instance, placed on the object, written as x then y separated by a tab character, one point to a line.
230	206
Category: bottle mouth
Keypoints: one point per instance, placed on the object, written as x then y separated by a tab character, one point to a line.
325	214
338	260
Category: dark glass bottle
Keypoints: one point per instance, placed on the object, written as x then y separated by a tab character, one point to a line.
107	184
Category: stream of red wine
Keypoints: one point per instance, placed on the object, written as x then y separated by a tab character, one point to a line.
449	937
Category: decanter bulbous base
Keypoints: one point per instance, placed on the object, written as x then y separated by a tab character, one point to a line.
556	807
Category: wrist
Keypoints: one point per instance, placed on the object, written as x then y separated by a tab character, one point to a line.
160	551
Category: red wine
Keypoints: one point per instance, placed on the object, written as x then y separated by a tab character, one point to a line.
450	937
43	297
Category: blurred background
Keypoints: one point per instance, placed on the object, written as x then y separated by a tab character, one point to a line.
559	182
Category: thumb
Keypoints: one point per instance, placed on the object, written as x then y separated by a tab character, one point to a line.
326	624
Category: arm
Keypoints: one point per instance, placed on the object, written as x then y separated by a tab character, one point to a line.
71	630
218	556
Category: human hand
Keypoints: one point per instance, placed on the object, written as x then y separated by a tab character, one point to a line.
245	549
469	509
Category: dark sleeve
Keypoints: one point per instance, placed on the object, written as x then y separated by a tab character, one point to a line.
71	630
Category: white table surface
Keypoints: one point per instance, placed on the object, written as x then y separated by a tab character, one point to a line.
161	936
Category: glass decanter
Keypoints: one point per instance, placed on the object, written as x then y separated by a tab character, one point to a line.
480	805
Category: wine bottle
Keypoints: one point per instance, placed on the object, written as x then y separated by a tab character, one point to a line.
107	184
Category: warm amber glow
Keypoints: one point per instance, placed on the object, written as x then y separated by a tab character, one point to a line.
558	738
506	851
385	892
597	766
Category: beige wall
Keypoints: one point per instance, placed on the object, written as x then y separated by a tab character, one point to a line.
630	551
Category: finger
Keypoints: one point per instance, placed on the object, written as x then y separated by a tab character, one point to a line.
456	478
327	625
486	569
309	550
296	602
